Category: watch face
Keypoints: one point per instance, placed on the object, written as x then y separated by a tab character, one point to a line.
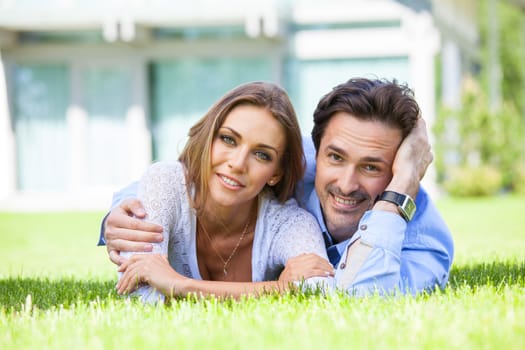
409	208
405	204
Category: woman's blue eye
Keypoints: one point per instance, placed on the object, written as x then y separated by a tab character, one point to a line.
227	139
263	156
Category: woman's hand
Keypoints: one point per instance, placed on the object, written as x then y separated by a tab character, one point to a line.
305	266
153	269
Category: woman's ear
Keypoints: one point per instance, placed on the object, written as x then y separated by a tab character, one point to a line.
274	180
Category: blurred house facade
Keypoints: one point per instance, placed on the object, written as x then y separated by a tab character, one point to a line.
91	92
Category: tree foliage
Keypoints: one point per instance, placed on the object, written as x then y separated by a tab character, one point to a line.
482	150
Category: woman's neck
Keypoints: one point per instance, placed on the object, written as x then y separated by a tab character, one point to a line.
228	220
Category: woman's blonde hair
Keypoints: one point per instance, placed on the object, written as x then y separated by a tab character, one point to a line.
197	151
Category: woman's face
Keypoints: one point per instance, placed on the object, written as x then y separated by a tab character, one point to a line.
245	155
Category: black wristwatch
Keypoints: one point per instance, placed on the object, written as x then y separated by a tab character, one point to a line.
405	204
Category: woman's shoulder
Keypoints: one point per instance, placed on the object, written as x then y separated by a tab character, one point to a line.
288	212
166	166
164	174
165	170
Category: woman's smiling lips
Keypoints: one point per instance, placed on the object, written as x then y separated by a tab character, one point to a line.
230	182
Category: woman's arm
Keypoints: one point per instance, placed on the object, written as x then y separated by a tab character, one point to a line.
155	270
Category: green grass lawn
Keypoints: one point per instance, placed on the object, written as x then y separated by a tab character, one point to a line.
56	291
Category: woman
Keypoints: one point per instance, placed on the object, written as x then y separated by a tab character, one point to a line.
229	222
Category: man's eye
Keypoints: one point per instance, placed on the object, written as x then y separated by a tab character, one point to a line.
335	157
263	156
370	168
227	139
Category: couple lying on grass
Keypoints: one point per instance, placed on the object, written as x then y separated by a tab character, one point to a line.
245	210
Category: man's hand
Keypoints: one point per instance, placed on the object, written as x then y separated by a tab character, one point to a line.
125	230
411	162
305	266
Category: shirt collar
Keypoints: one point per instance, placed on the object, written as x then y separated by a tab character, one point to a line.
313	205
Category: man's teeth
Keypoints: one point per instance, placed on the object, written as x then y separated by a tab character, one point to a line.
229	181
345	201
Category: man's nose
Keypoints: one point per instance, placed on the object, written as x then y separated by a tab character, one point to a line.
349	180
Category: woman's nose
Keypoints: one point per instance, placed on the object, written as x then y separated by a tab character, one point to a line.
238	159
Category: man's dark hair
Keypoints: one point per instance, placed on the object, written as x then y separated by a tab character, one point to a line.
372	100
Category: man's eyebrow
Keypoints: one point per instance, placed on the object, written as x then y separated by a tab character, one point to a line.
260	145
374	160
368	159
337	149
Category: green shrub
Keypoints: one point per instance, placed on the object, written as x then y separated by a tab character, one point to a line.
479	138
474	181
519	183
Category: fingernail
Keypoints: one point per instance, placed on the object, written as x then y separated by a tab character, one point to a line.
141	211
148	247
159	238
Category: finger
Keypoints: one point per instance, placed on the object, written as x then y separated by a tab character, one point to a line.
119	220
114	256
125	285
128	246
133	206
125	265
315	272
317	261
128	280
322	273
325	265
122	283
321	266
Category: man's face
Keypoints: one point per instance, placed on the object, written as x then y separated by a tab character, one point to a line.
354	166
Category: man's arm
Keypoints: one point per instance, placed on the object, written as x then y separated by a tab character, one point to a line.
388	255
123	229
120	196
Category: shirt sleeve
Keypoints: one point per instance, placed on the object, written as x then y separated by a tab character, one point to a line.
395	257
129	191
306	185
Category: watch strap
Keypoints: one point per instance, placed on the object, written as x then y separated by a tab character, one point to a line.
405	204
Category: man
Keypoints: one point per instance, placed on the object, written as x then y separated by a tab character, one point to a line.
370	151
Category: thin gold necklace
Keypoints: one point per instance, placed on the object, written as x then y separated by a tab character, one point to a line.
227	261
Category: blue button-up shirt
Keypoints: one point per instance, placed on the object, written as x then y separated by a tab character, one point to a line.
398	256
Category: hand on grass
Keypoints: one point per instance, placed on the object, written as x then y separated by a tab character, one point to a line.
125	230
305	266
153	269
